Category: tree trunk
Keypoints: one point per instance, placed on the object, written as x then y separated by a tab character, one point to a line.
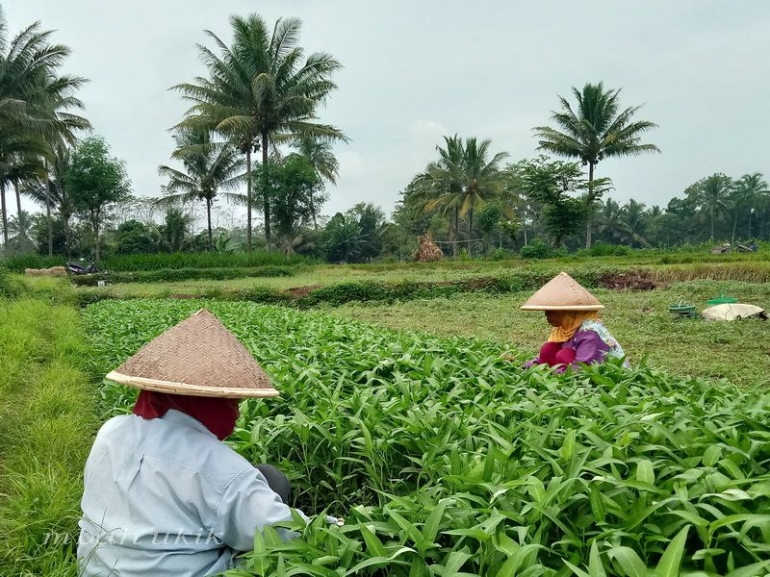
65	217
735	225
590	203
18	198
751	212
312	211
95	224
248	198
456	228
265	191
48	215
712	224
5	214
470	231
208	216
524	229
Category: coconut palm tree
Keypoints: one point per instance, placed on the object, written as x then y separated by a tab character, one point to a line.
209	167
712	196
261	90
463	180
594	130
482	178
50	191
609	217
749	192
34	102
319	154
633	223
441	185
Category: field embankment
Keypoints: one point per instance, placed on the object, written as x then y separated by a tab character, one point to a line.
48	416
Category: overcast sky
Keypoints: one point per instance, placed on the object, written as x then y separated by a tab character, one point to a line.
416	71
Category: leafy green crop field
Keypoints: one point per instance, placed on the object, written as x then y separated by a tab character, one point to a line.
448	460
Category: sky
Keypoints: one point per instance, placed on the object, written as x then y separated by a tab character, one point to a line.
415	71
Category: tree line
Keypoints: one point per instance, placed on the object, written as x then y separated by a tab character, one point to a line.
254	123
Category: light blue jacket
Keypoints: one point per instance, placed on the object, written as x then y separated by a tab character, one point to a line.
164	497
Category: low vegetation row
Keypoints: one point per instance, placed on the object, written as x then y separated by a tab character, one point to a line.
182	274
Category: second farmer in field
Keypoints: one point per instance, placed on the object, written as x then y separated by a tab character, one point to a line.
577	334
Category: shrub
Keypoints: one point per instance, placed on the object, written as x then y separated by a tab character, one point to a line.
539	249
499	254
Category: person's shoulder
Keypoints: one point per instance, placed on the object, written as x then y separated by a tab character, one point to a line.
115	425
591	325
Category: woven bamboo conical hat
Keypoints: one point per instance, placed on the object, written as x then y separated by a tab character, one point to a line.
198	357
562	293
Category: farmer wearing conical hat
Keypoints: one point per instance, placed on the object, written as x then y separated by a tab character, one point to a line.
163	495
577	336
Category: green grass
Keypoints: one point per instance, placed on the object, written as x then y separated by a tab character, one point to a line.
47	422
448	460
147	262
738	351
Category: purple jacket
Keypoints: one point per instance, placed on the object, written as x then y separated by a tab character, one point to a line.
592	343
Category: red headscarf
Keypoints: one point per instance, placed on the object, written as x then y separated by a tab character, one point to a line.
217	415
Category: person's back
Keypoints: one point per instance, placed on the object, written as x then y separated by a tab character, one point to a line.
165	497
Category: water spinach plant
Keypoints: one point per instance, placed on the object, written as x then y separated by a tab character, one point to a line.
448	460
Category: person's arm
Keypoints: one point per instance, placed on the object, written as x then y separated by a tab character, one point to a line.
589	348
247	506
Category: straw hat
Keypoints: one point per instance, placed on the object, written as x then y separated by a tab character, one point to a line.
562	293
198	357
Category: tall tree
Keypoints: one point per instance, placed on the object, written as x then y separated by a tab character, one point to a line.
319	154
551	184
35	100
608	218
749	192
50	191
462	180
712	195
291	184
594	130
96	180
441	185
208	167
633	223
261	90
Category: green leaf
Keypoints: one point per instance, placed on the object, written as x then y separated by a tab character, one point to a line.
595	565
645	473
597	504
629	561
373	545
381	561
432	524
568	446
669	563
712	455
453	562
753	570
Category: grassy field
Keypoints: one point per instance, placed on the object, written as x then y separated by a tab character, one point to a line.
48	418
738	351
